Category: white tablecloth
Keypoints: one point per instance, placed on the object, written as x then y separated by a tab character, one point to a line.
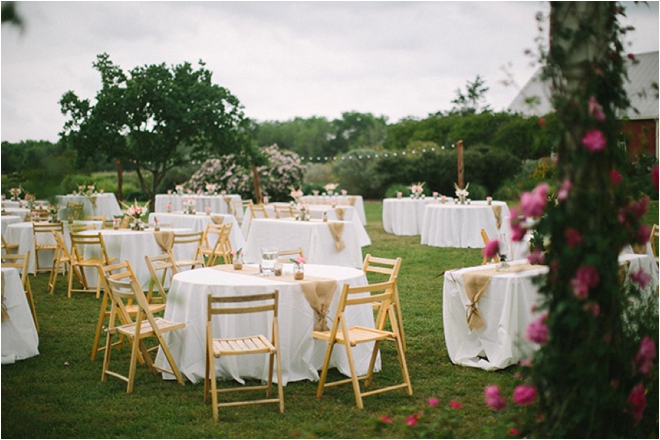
316	212
313	237
6	220
404	216
19	334
13	204
22	234
217	203
198	222
356	201
302	356
506	308
133	246
20	212
106	205
455	225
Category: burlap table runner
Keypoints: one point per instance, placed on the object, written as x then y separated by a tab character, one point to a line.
340	213
337	229
497	210
165	239
217	219
318	291
5	314
228	202
76	209
639	248
476	282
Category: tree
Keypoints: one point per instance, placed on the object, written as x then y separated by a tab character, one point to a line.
469	103
156	118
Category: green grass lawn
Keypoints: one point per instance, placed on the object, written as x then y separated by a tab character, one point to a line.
60	393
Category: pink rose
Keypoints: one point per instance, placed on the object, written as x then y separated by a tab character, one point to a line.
573	237
494	398
615	176
643	234
637	400
513	431
640	277
536	257
566	186
645	356
517	230
492	248
594	141
385	419
524	395
596	110
455	404
412	420
586	277
640	207
433	401
533	203
537	331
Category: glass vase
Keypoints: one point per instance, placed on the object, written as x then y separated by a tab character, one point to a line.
298	271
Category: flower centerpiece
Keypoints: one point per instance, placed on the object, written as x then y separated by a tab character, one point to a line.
15	192
462	193
330	188
136	212
304	215
91	189
296	194
417	190
298	268
189	206
211	188
237	259
179	189
30	199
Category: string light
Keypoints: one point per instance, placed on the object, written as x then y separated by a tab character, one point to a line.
376	156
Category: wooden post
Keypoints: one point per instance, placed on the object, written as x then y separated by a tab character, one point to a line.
459	145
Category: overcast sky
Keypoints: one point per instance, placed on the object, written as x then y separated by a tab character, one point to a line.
281	59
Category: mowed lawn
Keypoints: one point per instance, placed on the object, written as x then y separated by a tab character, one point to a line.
59	394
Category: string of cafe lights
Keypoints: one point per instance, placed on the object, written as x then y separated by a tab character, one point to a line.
375	156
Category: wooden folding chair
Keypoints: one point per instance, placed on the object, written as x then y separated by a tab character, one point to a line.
9	248
653	238
254	344
342	333
61	259
285	255
119	271
22	262
221	247
183	238
41	231
80	244
259	211
239	208
95	217
124	291
161	268
484	237
390	268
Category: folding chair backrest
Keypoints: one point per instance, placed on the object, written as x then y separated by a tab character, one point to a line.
260	209
381	293
124	290
236	305
158	269
81	240
78	227
378	265
222	245
285	255
20	262
45	228
653	238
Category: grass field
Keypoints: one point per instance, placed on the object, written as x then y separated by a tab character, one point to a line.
59	394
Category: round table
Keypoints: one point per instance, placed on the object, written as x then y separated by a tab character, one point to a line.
96	204
219	204
459	226
404	216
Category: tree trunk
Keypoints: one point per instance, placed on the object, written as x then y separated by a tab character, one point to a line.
257	186
120	181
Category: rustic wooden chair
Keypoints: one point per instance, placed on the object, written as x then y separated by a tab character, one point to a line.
81	243
222	245
42	242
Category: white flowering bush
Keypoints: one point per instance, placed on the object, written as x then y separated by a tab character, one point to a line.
284	170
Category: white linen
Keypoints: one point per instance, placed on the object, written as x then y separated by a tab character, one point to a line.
133	246
404	216
12	204
507	309
106	205
456	225
19	334
301	355
312	236
341	200
6	220
315	212
198	222
21	212
217	202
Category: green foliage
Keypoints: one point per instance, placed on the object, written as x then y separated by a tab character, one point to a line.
357	173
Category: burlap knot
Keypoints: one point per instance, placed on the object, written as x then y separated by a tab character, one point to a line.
340	213
318	293
337	229
93	200
125	222
5	314
228	202
217	219
497	210
165	239
351	200
639	248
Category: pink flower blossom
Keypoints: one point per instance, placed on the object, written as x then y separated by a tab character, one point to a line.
637	400
645	356
412	420
513	431
640	277
492	248
533	203
586	277
433	401
537	331
573	237
494	398
385	419
566	186
640	207
594	141
526	362
631	56
455	404
596	110
524	395
517	230
536	257
615	176
542	122
643	234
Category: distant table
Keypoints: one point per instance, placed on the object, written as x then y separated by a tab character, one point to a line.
507	308
198	222
459	226
339	212
220	204
19	334
301	355
21	212
13	204
104	204
356	201
405	216
314	237
6	220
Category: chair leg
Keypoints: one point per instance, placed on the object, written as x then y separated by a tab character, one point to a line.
399	318
354	377
131	369
324	370
99	325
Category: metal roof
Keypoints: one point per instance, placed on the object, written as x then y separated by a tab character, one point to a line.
643	96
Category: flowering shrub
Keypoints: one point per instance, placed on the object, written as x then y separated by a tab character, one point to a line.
284	169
